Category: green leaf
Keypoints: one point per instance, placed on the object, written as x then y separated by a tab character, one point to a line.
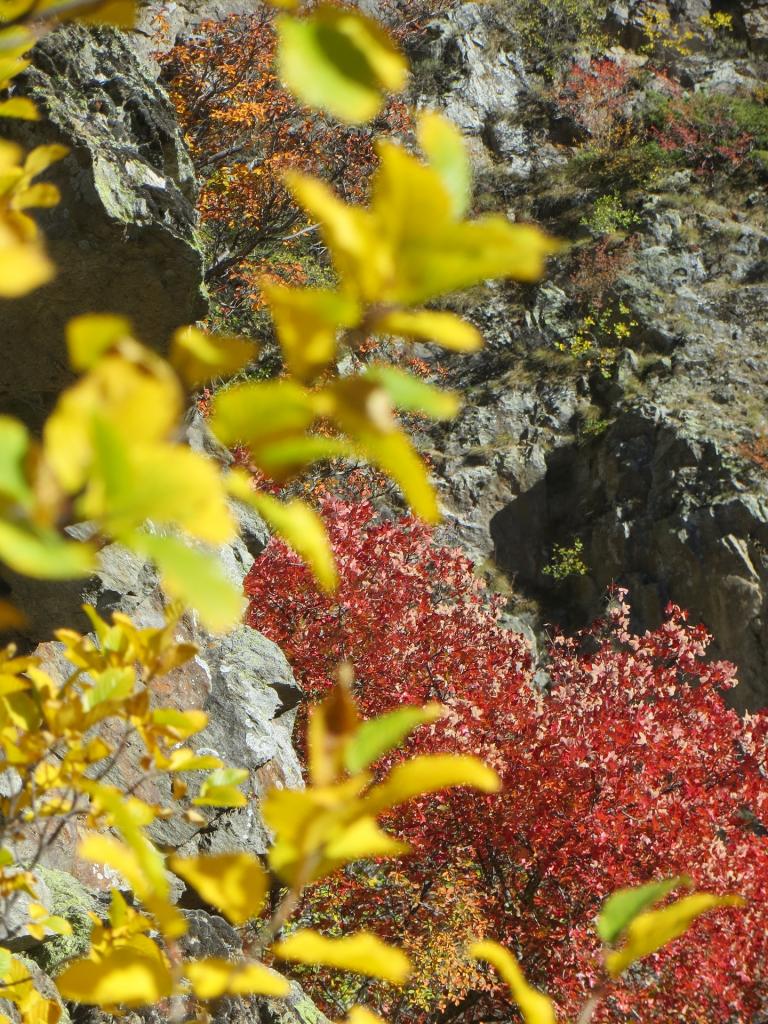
625	904
443	145
340	61
43	554
89	336
410	394
14	445
193	576
378	735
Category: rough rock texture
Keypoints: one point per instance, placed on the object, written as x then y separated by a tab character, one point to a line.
123	237
649	467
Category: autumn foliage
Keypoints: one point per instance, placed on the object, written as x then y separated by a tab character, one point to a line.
629	767
244	131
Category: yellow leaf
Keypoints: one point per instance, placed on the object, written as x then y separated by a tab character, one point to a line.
307	321
199	357
535	1007
654	929
362	1015
133	393
445	329
364	838
429	774
24	265
42	157
302	528
394	454
40	194
332	725
120	13
21	107
122	976
350	232
186	760
89	336
214	978
362	952
234	883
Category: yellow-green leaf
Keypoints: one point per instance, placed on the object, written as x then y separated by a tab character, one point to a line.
14	445
214	977
43	554
535	1007
444	329
112	684
220	789
625	904
301	527
654	929
443	145
339	60
193	576
428	774
89	336
411	394
362	952
262	410
234	883
199	357
121	976
377	736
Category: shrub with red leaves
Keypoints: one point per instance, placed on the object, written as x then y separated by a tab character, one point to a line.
630	767
595	97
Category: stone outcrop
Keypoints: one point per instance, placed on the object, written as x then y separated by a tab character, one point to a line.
654	466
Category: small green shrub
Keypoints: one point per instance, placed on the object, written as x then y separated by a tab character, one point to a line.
609	215
566	561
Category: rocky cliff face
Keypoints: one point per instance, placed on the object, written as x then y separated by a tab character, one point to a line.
653	462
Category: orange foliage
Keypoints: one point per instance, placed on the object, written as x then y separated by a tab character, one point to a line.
244	131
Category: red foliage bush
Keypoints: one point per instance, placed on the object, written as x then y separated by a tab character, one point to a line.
630	768
598	268
595	97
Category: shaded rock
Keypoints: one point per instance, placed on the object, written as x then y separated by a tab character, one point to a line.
123	236
656	511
